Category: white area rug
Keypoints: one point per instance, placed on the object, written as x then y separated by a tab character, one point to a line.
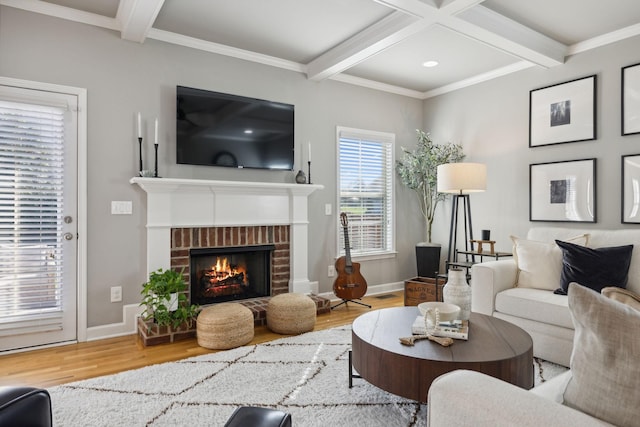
305	375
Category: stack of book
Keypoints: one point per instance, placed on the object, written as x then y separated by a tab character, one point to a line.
458	329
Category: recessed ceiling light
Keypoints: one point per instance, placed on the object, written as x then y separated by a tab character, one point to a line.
248	131
430	64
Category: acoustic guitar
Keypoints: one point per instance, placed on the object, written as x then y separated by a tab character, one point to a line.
349	284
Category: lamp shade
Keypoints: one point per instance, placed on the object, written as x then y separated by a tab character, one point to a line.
462	178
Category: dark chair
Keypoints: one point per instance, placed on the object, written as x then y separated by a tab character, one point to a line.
251	416
25	407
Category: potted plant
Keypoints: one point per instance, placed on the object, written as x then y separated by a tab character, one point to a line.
165	300
418	170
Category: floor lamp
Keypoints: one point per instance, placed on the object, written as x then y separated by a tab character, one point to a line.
460	179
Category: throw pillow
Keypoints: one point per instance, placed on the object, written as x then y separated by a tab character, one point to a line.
540	263
624	296
594	268
605	371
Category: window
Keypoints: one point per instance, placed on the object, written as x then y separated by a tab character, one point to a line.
365	191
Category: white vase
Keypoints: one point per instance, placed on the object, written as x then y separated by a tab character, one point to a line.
457	291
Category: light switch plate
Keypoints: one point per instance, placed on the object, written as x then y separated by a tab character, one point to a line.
121	207
327	209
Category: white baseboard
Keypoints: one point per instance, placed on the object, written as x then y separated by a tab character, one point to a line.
128	326
130	313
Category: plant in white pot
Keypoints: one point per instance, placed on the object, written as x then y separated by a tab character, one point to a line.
165	300
418	170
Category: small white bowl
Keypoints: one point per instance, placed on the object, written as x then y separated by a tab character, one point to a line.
447	312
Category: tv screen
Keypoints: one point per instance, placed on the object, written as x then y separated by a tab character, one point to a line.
219	129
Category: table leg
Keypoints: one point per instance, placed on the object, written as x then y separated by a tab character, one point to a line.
351	376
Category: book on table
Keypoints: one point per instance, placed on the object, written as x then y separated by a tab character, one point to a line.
458	329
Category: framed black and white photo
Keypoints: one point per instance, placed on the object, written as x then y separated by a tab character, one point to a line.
565	112
563	191
631	189
630	99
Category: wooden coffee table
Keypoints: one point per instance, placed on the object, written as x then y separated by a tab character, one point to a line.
495	347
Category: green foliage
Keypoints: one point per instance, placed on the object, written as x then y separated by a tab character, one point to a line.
418	170
157	294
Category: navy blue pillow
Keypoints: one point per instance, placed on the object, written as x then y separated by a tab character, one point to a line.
594	268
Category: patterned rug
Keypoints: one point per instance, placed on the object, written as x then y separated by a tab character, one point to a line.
305	375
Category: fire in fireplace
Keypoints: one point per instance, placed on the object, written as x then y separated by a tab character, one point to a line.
230	273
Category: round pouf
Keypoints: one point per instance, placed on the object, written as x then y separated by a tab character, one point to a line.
224	326
291	314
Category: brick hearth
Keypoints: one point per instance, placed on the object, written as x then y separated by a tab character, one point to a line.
184	239
151	334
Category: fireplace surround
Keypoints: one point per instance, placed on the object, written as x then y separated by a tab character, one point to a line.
175	203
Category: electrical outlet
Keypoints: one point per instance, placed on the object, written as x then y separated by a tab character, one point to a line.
116	293
331	271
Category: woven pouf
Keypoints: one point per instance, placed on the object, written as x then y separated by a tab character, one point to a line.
223	326
291	314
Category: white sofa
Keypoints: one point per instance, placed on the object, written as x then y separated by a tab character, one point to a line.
469	398
543	314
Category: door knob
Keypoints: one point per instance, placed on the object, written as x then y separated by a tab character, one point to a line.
68	236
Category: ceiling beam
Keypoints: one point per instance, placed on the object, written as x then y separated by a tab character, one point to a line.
136	17
409	18
466	17
388	31
491	28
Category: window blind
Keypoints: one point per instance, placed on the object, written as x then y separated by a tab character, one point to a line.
366	190
31	215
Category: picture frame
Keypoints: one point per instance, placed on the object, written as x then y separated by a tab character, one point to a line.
564	112
563	191
630	206
630	99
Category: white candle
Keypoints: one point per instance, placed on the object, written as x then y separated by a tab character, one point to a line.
309	151
139	127
156	140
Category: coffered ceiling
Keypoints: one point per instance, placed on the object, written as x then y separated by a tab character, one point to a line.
374	43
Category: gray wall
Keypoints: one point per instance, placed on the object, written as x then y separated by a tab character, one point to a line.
123	77
491	120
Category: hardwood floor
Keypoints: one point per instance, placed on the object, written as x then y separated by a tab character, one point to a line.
59	365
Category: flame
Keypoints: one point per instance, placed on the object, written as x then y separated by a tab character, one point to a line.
222	270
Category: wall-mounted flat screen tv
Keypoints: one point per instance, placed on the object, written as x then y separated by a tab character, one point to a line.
219	129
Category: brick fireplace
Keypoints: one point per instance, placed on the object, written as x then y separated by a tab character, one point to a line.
174	203
185	240
183	214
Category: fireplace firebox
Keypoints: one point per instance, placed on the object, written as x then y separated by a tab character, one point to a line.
230	273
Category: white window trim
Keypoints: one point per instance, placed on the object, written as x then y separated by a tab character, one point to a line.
375	135
81	93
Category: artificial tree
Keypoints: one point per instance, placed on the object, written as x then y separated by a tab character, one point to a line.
418	170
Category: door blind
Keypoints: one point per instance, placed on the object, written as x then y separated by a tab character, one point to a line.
31	216
365	180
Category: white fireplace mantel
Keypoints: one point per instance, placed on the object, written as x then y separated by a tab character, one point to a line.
181	203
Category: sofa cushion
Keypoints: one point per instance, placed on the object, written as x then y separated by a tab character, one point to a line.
594	268
540	263
598	238
605	371
624	296
535	304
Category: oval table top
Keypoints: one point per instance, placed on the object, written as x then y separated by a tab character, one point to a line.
495	347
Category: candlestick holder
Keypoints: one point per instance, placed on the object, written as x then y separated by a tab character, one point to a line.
155	170
309	169
140	151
